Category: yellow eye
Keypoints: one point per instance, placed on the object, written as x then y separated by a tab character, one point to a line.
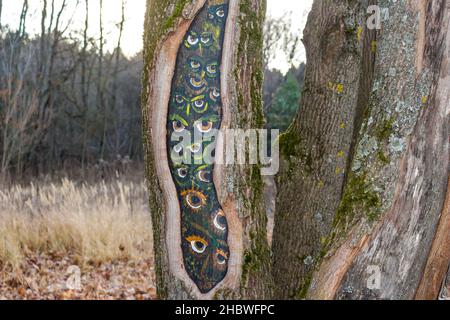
203	176
221	256
204	126
178	126
219	221
195	148
194	199
198	244
195	64
212	68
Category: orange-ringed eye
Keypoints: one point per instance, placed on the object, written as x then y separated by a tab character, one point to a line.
194	199
198	244
221	256
204	126
178	126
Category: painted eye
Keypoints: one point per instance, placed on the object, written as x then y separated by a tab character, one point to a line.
206	38
204	126
182	172
210	16
199	103
195	64
216	93
195	148
220	13
198	244
212	68
178	148
178	126
221	257
194	199
203	176
220	221
192	40
179	99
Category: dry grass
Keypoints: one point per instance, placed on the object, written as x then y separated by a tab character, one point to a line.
96	223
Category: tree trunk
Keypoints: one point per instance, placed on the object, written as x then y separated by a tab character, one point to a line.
390	231
171	28
317	149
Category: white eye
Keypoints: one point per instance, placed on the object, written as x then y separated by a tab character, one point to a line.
205	39
204	126
220	13
199	103
195	147
221	257
195	64
192	40
202	176
179	99
216	93
198	246
216	221
178	148
212	68
182	172
210	16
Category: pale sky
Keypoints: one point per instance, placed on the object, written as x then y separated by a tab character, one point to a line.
134	14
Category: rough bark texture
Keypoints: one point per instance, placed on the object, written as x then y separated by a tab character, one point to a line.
317	149
439	257
393	204
240	187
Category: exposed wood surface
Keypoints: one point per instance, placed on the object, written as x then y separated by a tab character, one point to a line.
439	258
237	186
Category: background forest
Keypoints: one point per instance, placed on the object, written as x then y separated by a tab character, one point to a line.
72	188
67	103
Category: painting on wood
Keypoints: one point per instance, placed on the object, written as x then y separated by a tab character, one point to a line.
194	115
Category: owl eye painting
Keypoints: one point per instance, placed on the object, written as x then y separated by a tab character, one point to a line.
196	108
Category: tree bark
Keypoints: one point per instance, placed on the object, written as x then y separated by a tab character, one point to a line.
318	147
392	221
239	188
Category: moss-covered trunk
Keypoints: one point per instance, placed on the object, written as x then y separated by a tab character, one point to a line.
389	231
318	147
239	188
360	212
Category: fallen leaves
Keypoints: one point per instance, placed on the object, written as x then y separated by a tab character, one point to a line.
45	277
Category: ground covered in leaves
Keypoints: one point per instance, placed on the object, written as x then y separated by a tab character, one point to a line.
51	276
